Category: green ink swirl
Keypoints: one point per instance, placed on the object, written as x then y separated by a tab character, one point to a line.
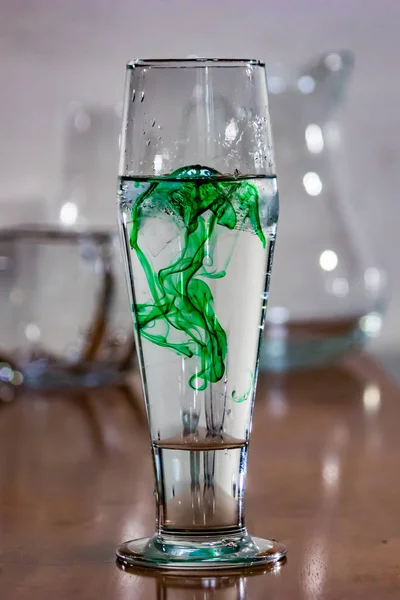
199	199
246	395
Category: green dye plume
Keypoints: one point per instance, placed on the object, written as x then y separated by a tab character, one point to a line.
200	199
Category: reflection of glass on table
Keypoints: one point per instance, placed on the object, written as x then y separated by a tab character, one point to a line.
181	585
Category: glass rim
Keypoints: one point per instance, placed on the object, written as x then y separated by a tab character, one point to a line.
182	63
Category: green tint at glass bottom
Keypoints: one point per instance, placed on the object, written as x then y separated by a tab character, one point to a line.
180	553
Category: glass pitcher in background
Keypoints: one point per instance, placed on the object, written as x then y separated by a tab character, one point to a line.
328	293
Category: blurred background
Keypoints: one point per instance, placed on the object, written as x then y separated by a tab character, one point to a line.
59	56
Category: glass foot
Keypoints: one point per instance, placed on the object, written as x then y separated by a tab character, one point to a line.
200	552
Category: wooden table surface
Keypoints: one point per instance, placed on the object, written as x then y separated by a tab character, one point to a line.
324	478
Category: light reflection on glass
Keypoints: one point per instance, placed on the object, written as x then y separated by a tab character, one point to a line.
334	61
32	332
314	138
231	131
276	85
158	161
306	84
328	260
312	183
372	399
6	372
340	287
69	213
371	324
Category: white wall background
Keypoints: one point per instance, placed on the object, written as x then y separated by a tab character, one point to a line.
53	52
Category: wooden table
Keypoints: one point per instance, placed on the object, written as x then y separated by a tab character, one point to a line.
324	478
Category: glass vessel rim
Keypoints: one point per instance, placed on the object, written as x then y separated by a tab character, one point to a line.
194	63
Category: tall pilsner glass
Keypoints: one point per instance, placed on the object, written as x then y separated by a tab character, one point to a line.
198	207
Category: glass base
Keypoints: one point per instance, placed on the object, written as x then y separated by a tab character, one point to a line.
197	553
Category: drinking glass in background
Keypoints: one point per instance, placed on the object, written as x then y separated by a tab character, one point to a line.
59	298
329	291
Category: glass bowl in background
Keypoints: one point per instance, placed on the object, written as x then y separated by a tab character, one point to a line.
65	318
